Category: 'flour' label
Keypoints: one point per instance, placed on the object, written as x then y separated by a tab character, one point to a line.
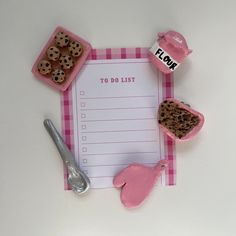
164	57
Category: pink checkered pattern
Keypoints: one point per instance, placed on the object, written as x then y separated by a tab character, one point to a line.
67	126
67	113
169	144
118	53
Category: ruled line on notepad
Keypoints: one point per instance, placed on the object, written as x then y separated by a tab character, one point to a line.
125	164
144	141
145	96
111	131
116	108
118	119
97	177
116	153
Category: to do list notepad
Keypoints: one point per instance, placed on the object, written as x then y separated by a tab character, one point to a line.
114	107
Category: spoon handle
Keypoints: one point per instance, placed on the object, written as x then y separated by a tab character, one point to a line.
65	153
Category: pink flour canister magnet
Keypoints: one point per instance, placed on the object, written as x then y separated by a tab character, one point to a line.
169	51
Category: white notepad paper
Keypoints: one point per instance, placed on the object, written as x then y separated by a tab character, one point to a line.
115	106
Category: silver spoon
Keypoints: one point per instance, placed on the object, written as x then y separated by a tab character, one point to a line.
77	179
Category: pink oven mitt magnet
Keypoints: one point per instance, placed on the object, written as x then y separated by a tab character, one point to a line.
169	51
136	182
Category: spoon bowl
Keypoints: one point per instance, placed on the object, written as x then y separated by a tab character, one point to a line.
78	181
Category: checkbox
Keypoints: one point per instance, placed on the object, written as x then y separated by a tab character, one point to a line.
84	149
83	115
84	127
82	93
82	104
84	138
85	161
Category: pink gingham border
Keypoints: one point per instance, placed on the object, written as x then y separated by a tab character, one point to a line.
169	144
67	111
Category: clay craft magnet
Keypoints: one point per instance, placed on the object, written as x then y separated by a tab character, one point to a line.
136	182
178	120
61	59
169	51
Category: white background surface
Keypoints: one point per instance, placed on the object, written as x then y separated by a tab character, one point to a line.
32	200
